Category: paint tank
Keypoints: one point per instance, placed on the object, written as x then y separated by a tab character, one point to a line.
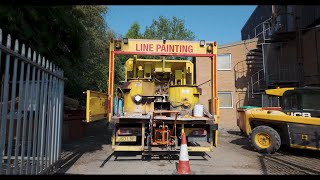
137	87
183	97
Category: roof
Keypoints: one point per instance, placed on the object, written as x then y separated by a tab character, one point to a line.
249	18
238	43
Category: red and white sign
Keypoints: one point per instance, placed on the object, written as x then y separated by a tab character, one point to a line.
164	48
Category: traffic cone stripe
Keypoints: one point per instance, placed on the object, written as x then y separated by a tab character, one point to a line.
184	165
184	153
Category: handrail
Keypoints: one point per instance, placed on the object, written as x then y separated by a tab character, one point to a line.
266	27
238	103
269	19
257	74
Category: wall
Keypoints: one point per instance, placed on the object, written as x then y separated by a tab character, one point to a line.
226	79
311	57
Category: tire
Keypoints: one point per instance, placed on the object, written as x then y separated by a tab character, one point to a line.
265	139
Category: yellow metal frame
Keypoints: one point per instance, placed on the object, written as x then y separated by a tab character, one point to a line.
271	115
132	48
278	91
141	148
96	106
156	47
303	147
165	66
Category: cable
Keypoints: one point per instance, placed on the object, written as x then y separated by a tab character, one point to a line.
204	82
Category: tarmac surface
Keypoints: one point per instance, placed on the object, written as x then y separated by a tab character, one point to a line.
92	154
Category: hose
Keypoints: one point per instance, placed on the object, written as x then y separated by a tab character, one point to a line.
118	88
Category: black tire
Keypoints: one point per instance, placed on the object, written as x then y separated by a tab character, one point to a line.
272	135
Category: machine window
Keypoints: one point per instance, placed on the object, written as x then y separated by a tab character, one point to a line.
311	101
291	102
225	99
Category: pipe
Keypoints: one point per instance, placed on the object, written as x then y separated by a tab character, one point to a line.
163	63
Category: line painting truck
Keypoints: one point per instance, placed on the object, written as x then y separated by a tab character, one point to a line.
158	99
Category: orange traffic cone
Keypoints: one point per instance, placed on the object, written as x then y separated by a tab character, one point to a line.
184	165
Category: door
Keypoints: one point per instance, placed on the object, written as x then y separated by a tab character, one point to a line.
96	106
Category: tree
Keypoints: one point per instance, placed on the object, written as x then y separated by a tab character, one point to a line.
76	38
134	31
170	29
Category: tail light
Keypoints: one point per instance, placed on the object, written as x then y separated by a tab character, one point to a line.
201	132
125	131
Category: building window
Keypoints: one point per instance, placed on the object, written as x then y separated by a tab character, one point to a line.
224	61
225	99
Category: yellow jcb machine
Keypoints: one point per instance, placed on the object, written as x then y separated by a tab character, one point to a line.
158	99
296	122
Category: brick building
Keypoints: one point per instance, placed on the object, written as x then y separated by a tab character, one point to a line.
280	47
232	64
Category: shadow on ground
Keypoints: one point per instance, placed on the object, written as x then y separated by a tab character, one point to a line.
241	140
289	161
137	156
97	134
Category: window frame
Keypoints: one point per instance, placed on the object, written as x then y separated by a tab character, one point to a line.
230	57
226	92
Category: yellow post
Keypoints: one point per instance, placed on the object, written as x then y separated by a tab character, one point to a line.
214	94
214	78
134	66
142	138
88	106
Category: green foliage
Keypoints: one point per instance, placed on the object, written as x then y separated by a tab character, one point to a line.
75	38
170	29
134	31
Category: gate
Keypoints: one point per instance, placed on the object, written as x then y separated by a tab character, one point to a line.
31	110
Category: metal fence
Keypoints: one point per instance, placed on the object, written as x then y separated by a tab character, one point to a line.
31	110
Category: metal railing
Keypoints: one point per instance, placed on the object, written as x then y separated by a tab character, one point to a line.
263	30
31	110
256	83
238	103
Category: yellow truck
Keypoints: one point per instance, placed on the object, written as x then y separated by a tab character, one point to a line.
296	122
158	99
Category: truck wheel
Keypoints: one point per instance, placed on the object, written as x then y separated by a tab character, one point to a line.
265	139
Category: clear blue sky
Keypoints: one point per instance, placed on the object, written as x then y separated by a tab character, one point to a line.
212	23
